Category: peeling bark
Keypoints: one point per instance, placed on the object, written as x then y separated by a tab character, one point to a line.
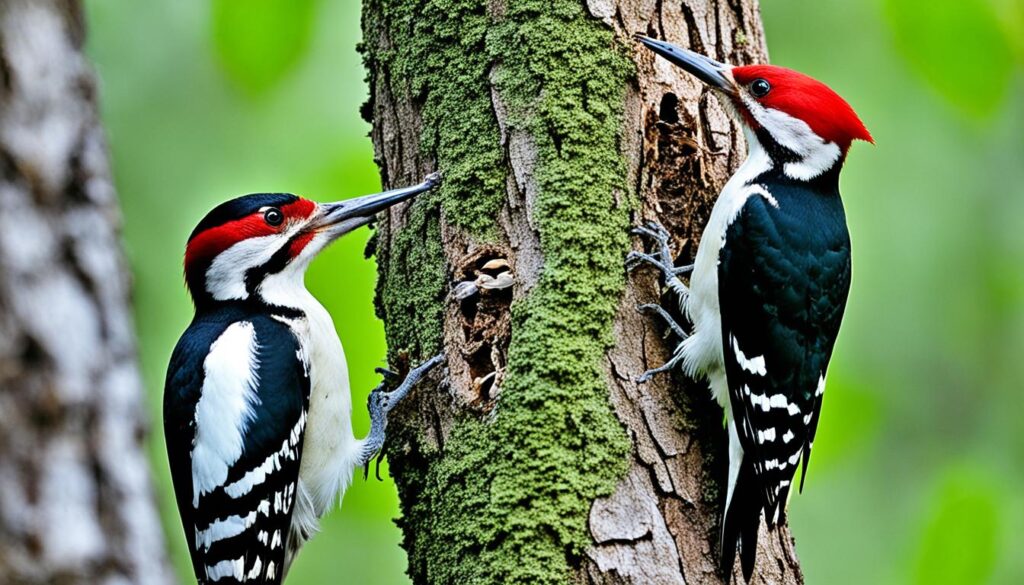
76	502
659	520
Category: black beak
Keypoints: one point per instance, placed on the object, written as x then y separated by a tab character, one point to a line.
345	216
706	69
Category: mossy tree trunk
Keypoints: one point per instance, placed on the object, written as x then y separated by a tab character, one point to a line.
540	460
76	504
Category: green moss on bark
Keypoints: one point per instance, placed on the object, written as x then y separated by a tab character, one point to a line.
508	500
435	57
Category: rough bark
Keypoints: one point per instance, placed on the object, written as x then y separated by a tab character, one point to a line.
544	461
76	503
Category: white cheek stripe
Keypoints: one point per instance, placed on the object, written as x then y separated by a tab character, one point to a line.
225	278
225	407
817	155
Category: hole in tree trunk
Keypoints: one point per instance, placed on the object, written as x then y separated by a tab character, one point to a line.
667	111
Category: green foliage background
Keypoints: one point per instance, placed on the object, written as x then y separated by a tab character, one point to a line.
918	474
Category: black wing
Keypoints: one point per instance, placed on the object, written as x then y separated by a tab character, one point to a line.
237	524
784	276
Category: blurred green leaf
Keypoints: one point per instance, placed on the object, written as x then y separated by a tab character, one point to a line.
958	46
960	540
1011	17
259	41
850	420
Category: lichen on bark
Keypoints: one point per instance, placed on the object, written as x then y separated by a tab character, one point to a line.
513	490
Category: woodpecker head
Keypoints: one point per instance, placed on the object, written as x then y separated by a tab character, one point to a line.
259	246
799	121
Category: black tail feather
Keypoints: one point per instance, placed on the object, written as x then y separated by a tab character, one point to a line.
741	524
748	541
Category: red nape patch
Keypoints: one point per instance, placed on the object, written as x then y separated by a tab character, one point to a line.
807	99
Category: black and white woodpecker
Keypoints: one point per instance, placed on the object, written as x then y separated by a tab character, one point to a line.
256	404
769	284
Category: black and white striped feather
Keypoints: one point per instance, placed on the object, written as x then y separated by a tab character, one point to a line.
235	407
783	277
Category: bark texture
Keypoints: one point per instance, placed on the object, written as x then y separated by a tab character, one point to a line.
544	462
75	497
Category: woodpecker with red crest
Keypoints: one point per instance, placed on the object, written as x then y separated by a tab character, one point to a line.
769	284
256	404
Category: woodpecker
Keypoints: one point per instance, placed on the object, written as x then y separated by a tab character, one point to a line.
769	283
256	403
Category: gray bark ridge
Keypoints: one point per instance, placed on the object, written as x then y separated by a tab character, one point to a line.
660	524
76	502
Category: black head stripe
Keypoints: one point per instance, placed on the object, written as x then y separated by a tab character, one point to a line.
254	276
240	207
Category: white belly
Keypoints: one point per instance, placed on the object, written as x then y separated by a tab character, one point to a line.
328	447
703	354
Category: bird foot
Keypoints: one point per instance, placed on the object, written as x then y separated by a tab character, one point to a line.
677	356
669	320
662	258
388	375
666	367
381	402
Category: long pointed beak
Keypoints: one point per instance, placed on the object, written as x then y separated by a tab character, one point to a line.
706	69
345	216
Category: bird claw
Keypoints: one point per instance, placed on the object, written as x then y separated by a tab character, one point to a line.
388	374
665	367
381	402
376	469
653	230
662	258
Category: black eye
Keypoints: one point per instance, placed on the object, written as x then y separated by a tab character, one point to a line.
760	88
273	216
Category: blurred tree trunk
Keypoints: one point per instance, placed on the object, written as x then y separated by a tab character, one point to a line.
76	503
544	462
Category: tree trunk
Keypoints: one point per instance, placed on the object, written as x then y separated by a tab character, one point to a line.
76	503
544	462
